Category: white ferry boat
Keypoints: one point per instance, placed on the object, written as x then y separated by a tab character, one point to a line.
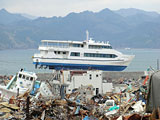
88	54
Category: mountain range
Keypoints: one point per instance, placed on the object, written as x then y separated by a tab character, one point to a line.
123	28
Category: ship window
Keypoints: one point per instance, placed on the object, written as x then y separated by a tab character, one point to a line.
31	78
55	52
27	78
64	53
23	77
97	75
59	52
20	75
99	47
110	47
94	47
75	54
90	76
76	45
100	55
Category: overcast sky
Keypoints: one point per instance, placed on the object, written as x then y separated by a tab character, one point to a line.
50	8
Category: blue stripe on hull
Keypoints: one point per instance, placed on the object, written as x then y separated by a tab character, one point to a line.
59	66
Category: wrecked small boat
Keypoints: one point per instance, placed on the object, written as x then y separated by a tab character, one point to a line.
19	84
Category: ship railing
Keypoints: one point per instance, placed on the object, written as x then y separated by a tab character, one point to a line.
52	46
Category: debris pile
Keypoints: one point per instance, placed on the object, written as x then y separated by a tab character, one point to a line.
81	104
4	79
127	101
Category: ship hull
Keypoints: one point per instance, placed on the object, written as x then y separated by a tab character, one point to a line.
59	66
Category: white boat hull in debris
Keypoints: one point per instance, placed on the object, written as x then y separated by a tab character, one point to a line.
19	84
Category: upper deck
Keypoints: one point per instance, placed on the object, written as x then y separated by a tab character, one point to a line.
89	44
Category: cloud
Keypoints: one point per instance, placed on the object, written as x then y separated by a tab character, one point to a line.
63	7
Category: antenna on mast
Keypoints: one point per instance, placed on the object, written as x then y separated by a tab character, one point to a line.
87	35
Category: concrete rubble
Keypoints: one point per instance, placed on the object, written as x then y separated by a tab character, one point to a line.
126	102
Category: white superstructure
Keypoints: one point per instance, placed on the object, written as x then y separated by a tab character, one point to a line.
88	54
